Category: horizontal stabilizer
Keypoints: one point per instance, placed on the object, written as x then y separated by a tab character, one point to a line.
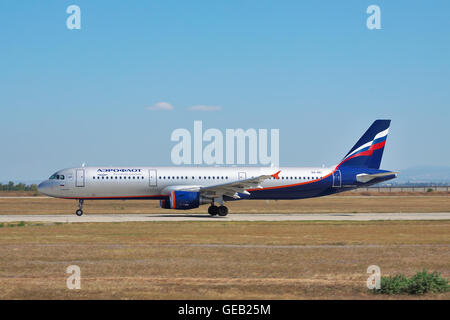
365	177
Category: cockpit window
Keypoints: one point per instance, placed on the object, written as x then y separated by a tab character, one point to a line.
57	177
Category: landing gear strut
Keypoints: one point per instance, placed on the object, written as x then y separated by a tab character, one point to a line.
79	212
218	210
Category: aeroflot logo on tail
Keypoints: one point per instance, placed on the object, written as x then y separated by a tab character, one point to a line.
119	170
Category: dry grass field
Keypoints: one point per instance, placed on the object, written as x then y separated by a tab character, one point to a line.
350	202
220	260
216	260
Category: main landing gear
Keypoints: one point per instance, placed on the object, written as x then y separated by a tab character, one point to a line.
218	210
79	212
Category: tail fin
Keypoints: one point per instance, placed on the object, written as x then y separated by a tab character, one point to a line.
367	152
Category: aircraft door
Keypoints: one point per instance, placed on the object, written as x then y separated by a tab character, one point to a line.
152	178
337	179
242	175
79	178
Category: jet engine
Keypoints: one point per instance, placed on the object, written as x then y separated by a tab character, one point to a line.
183	200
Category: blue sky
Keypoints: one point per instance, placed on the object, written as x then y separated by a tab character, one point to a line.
311	69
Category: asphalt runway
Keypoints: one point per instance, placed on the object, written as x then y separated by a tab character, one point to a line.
231	217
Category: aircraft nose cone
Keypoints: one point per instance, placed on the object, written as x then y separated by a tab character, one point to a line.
44	187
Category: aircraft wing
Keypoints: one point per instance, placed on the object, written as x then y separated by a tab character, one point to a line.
232	189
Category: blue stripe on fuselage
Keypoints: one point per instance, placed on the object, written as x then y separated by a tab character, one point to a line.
318	188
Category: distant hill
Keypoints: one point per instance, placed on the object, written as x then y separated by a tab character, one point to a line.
424	174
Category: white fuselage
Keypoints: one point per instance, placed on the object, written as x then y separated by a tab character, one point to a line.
157	182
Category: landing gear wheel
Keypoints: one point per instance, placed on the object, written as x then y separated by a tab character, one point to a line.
79	212
223	211
213	210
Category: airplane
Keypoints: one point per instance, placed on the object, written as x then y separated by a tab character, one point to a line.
184	188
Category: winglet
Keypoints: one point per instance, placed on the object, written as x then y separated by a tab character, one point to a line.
275	175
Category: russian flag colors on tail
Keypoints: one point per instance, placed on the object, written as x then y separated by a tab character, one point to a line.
367	152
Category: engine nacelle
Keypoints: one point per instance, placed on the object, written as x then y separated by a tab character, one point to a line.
184	200
165	204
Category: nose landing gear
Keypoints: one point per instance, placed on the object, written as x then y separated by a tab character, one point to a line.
79	212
